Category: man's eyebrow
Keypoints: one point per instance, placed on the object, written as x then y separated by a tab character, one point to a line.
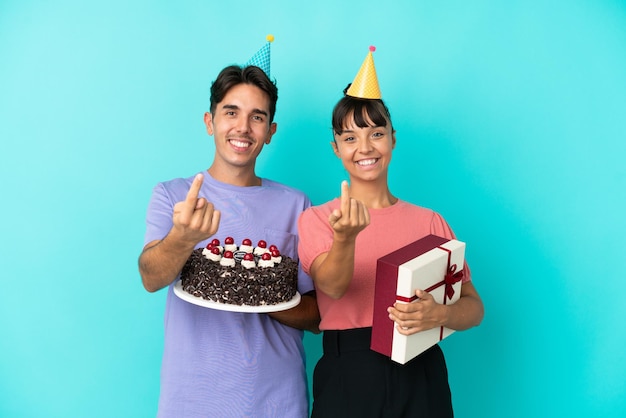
235	107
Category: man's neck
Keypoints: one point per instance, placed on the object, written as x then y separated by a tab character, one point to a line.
242	177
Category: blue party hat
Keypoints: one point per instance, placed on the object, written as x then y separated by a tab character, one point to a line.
262	58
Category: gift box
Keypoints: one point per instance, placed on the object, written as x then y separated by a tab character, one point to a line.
433	264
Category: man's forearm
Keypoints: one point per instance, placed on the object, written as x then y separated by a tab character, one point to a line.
161	261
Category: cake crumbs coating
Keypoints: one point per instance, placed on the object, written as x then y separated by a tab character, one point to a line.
238	285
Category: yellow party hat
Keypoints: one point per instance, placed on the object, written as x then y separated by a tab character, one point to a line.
365	84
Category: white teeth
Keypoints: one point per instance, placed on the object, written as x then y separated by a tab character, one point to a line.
240	144
367	162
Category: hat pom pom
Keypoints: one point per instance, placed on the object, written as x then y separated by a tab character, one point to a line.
372	48
270	38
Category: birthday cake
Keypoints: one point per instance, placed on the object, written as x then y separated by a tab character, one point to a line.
240	275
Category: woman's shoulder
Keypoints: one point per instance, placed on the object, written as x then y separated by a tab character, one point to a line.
437	223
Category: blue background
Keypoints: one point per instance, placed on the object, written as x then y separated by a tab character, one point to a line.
510	123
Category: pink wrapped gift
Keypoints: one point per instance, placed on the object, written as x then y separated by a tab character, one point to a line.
433	264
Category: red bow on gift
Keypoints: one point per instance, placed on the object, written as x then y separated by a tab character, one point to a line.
452	278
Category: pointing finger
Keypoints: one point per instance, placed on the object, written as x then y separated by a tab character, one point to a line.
191	203
194	189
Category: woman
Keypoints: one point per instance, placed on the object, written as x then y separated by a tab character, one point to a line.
340	242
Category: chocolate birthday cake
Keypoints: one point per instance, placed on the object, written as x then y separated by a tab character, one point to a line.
240	275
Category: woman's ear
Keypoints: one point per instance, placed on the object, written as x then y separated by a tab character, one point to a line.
333	144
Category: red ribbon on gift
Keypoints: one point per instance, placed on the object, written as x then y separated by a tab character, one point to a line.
451	277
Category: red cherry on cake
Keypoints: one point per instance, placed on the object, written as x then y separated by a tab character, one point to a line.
246	241
215	242
266	256
262	244
248	257
215	250
273	247
210	246
228	254
229	241
275	252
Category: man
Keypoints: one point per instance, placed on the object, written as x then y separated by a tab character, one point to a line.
218	363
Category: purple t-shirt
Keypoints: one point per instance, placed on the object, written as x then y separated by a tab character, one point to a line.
219	363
